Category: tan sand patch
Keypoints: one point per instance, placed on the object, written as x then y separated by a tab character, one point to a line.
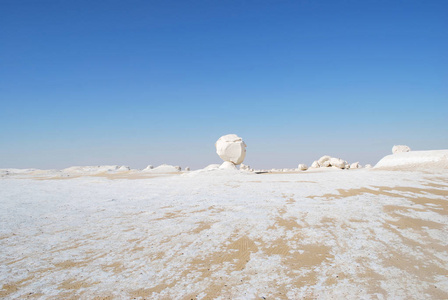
116	267
381	190
73	284
12	287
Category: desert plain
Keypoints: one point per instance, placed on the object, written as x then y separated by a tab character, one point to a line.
225	234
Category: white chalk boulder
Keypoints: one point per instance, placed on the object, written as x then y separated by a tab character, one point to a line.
338	163
231	148
315	164
328	161
400	149
355	165
302	167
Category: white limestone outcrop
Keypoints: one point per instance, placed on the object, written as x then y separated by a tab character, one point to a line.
415	160
328	161
400	149
315	164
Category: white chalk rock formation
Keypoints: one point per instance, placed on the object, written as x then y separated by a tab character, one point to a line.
244	167
368	166
150	167
315	164
400	149
302	167
227	165
187	169
324	161
338	163
328	161
355	165
415	160
231	148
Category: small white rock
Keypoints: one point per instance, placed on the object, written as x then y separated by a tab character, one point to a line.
400	149
355	165
302	167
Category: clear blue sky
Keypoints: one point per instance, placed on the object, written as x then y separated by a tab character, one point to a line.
151	82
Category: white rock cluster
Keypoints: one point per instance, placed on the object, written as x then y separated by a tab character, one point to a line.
328	161
232	149
244	167
400	149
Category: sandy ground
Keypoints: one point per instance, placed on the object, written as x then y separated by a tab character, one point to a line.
360	234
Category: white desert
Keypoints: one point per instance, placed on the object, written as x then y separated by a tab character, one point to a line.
335	230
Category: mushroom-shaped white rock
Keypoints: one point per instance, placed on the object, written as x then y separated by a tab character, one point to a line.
231	148
400	148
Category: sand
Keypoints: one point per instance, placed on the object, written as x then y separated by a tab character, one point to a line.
357	234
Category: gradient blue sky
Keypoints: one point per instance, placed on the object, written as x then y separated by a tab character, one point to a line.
151	82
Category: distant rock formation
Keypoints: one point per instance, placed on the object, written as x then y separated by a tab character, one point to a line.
355	165
415	160
244	167
231	148
400	149
328	161
302	167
